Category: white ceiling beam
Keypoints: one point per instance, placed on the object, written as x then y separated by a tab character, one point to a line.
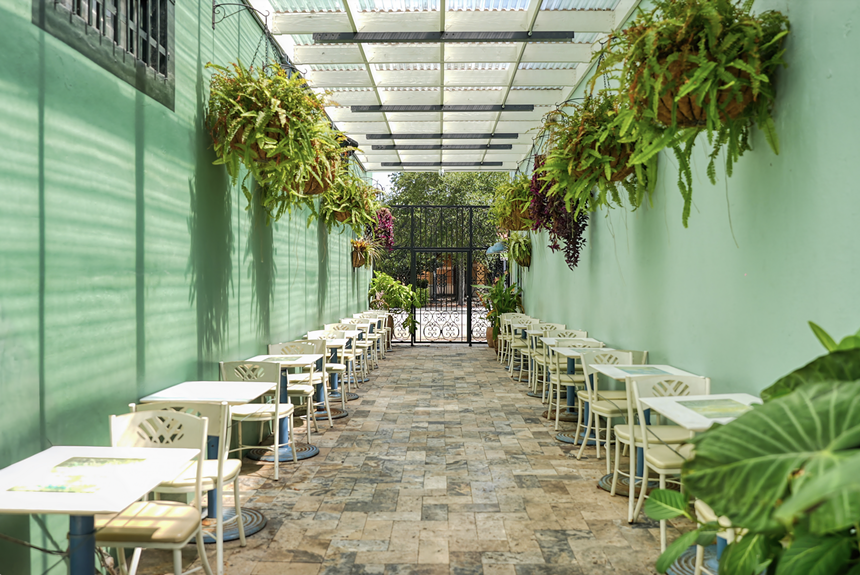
308	23
327	54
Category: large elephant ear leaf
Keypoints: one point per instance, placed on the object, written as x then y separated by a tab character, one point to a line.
815	555
837	366
743	469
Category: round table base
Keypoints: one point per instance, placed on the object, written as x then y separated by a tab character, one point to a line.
533	394
335	414
570	437
565	416
349	396
303	451
686	563
252	520
622	486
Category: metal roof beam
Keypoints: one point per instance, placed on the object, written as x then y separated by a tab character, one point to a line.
442	147
445	108
503	136
418	37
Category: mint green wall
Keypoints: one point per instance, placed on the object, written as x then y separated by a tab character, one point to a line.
149	270
695	299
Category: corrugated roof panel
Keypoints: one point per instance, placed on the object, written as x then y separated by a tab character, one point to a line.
478	66
548	65
404	67
302	39
307	5
337	67
579	4
585	37
487	5
398	5
347	89
536	87
474	88
410	89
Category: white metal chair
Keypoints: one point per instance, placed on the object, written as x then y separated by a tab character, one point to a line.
272	413
157	524
358	353
661	444
597	408
312	378
216	472
558	376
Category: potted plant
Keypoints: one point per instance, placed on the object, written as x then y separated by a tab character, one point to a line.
690	66
784	472
365	252
520	248
511	203
549	212
277	129
587	154
499	299
387	293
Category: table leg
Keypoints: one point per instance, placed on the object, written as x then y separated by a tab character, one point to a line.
82	545
213	496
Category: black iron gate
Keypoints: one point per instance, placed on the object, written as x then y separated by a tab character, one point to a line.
441	252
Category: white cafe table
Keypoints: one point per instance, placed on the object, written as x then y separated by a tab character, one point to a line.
83	482
699	412
553	341
291	361
210	392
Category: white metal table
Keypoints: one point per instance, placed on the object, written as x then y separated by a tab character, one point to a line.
231	392
699	412
83	482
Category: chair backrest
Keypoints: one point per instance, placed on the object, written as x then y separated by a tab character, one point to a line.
576	342
163	429
340	326
217	414
553	326
578	333
265	371
601	357
639	357
325	334
319	347
293	347
661	386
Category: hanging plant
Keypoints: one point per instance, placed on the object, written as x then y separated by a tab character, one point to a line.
691	66
349	202
587	158
383	228
520	248
365	252
510	209
549	212
277	129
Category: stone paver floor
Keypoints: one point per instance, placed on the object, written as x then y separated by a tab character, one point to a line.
444	467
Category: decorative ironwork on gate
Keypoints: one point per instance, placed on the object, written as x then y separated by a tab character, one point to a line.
441	252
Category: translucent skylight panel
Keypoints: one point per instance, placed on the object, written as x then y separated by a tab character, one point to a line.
579	4
398	5
337	67
487	4
536	87
404	67
474	88
410	89
307	5
585	37
302	39
548	65
478	66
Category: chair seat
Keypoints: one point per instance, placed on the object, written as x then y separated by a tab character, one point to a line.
569	378
666	434
335	367
261	411
165	522
665	459
188	478
519	343
304	378
609	408
611	394
299	390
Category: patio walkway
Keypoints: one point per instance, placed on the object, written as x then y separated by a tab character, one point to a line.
444	467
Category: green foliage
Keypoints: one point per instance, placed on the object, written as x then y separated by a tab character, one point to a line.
688	67
587	154
520	248
277	129
387	293
511	199
499	299
786	473
349	202
450	189
369	248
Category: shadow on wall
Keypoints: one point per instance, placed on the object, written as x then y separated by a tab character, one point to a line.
209	263
262	269
322	275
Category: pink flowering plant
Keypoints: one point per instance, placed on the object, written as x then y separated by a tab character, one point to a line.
383	228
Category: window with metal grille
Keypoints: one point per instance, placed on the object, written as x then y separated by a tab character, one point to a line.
132	39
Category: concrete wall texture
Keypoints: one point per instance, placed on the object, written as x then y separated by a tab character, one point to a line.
128	261
766	250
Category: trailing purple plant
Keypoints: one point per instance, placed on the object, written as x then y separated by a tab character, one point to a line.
383	229
549	212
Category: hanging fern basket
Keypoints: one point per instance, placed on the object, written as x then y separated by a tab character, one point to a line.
517	222
341	216
524	262
690	112
359	258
